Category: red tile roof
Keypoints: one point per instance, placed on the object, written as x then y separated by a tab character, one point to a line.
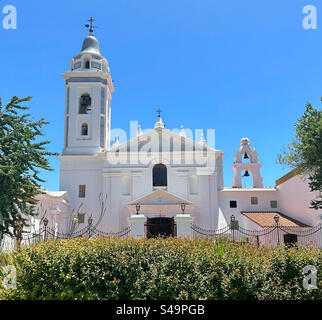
266	219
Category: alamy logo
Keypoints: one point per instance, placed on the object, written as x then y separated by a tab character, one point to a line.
10	277
310	20
309	281
10	19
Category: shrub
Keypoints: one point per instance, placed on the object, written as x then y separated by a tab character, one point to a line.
160	269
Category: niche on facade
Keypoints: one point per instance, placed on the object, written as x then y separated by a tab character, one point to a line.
84	129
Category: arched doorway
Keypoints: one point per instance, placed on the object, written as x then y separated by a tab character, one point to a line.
163	227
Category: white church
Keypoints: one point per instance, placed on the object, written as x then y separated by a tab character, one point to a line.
159	178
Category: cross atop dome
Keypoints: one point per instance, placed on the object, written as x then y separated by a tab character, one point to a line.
90	42
90	25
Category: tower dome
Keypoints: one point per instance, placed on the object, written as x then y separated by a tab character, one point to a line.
90	58
90	44
244	141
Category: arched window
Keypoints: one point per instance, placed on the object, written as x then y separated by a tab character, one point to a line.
84	129
85	104
160	175
86	64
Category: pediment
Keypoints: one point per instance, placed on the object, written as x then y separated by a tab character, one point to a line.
160	140
160	197
161	201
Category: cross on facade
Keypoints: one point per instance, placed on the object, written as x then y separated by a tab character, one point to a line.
159	112
90	25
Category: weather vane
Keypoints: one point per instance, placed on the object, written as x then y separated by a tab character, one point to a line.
159	112
90	25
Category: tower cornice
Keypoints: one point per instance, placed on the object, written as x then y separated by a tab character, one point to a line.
88	76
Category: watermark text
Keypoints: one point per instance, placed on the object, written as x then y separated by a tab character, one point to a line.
9	21
310	19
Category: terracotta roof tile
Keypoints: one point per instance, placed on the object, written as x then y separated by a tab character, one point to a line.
266	219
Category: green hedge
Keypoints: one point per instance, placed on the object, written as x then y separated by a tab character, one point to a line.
160	269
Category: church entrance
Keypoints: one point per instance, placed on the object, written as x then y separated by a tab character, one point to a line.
164	227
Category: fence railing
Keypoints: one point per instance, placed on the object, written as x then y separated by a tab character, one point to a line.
45	233
269	236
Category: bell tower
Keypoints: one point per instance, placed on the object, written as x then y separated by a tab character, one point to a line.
244	152
89	88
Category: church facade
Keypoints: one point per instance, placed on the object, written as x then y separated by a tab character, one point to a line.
160	175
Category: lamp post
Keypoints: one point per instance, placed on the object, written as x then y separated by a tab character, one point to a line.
89	221
45	224
137	208
277	218
183	207
232	222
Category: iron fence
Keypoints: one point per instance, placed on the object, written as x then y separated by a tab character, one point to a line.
268	236
45	233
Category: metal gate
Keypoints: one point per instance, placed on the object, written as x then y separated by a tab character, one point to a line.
160	227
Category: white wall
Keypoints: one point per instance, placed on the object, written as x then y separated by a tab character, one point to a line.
243	198
295	198
82	170
203	193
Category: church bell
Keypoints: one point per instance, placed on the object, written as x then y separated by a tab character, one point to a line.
246	174
245	156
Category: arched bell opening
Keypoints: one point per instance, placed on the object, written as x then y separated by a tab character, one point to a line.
85	104
247	178
87	64
246	158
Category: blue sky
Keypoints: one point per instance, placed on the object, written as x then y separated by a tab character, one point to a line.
245	68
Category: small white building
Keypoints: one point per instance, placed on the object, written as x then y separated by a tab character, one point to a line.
295	198
50	206
158	173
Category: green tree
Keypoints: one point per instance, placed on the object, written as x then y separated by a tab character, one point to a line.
305	151
22	157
